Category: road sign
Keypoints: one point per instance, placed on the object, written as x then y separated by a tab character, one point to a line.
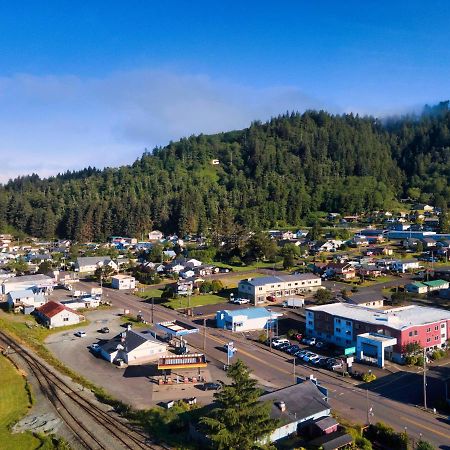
350	351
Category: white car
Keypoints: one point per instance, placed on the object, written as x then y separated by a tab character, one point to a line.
94	347
80	334
241	301
281	341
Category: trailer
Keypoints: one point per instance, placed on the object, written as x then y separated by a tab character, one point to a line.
294	303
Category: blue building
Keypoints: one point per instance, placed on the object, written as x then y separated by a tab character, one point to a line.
246	319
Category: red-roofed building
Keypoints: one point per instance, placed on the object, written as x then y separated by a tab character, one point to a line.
55	314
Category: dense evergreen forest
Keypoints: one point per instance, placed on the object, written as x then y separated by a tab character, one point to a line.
278	173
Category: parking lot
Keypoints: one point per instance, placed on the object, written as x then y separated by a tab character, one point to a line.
134	384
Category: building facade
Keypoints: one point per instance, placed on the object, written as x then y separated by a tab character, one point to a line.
123	282
341	323
262	289
246	319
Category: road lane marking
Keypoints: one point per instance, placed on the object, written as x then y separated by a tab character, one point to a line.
220	341
421	425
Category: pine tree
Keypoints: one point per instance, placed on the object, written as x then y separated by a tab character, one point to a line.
239	421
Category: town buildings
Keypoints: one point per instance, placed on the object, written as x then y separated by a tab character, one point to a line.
123	282
54	314
342	323
259	290
37	283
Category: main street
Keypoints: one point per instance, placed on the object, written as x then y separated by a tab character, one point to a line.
274	370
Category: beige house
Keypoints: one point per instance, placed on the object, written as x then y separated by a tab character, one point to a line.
273	288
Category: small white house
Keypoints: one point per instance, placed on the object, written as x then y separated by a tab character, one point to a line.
25	298
404	266
55	314
123	282
89	264
133	347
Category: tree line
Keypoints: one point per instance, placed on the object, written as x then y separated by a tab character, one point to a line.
274	174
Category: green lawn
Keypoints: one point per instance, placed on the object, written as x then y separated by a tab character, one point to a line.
14	404
255	266
149	293
231	281
195	300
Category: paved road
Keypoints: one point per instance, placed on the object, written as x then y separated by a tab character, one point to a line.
391	401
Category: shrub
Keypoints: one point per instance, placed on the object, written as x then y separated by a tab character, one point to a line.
438	354
411	360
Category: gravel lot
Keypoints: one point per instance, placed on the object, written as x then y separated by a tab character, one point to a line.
131	385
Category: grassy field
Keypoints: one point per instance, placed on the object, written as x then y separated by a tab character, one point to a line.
255	266
14	404
195	300
149	293
231	281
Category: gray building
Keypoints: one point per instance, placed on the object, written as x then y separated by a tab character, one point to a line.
277	288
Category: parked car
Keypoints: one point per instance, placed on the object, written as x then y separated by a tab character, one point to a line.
95	347
241	301
104	330
283	347
307	356
322	361
300	353
271	298
293	349
320	344
279	341
299	337
80	334
314	359
211	386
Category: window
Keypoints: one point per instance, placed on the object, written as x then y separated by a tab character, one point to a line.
410	333
310	322
428	330
357	326
442	325
436	327
415	332
348	332
65	319
338	330
348	323
338	320
443	335
428	339
436	338
260	288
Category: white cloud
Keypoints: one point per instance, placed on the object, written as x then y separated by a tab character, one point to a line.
49	124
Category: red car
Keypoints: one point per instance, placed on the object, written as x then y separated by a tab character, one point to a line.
271	298
299	337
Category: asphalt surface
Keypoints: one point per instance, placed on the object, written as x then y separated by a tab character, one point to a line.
393	399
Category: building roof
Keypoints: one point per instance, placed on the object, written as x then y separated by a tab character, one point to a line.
435	283
129	340
364	297
396	318
417	284
23	293
251	313
50	309
92	260
332	441
325	422
302	400
262	281
38	278
122	277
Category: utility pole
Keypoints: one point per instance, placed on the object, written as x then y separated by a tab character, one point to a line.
204	334
295	378
424	379
369	409
153	308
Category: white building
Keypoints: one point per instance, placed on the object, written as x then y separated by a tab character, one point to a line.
25	298
246	319
259	290
55	314
404	266
89	264
133	347
123	282
37	283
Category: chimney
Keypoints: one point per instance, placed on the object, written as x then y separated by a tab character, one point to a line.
281	405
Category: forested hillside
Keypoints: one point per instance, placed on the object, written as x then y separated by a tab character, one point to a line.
272	174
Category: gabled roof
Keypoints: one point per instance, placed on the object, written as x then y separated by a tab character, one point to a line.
51	308
302	401
92	260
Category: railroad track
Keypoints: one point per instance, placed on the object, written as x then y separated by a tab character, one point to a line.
66	399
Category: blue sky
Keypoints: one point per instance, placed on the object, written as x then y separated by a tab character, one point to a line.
95	83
